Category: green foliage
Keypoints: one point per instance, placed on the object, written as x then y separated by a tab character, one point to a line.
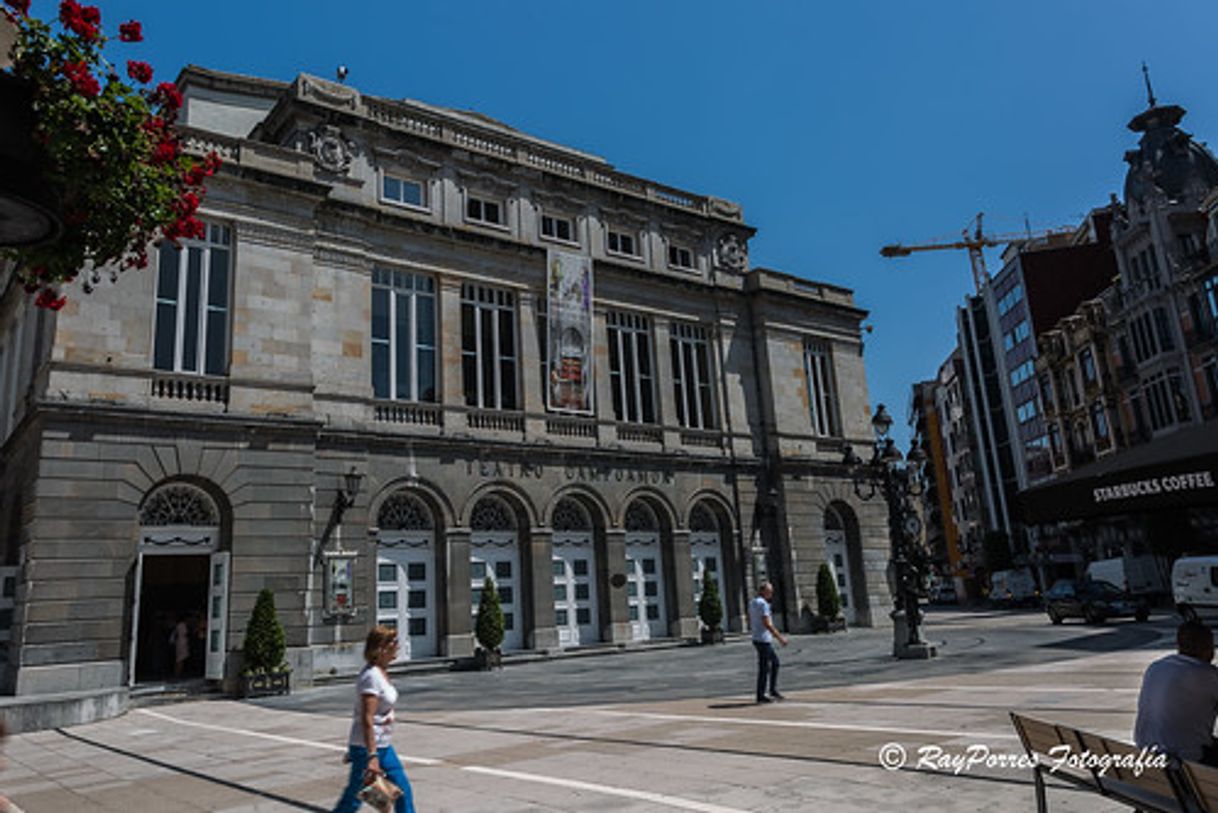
997	549
710	607
828	602
265	642
489	626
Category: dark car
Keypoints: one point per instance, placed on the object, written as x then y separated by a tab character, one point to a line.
1093	601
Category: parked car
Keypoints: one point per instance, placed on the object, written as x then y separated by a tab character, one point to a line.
944	594
1093	601
1194	586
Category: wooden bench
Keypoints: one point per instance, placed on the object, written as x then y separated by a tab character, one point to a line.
1171	789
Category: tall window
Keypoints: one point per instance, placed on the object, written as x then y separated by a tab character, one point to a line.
1086	363
1099	423
822	392
630	376
192	294
403	336
488	347
691	382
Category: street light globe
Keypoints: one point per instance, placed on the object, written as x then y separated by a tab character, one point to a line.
882	421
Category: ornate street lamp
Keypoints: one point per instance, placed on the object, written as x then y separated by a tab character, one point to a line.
898	479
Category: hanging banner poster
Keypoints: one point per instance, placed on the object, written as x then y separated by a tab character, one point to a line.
569	339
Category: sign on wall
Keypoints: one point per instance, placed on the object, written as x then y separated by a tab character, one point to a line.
569	332
339	583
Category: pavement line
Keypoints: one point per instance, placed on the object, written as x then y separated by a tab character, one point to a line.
641	795
934	687
695	718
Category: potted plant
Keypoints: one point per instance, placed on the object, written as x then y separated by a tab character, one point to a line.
828	602
104	146
710	609
488	628
264	670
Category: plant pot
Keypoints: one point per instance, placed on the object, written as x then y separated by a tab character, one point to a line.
820	624
712	636
29	205
266	684
487	660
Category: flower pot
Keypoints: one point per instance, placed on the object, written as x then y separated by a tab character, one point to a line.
29	205
487	660
265	684
712	636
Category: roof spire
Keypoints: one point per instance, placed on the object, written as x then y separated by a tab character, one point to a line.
1150	94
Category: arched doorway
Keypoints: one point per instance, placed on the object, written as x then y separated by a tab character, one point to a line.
574	567
706	546
837	554
180	581
644	573
494	550
405	573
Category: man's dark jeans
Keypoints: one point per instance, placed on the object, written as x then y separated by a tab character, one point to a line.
767	662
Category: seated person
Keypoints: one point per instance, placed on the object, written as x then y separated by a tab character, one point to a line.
1179	699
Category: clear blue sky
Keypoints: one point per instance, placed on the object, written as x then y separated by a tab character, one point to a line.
838	126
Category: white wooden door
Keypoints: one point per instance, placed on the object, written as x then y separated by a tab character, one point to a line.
575	589
707	554
645	586
495	554
406	595
217	615
839	563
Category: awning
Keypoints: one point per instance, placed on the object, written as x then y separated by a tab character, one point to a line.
1177	471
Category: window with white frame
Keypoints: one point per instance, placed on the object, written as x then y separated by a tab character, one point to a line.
623	243
680	257
403	335
691	376
1099	422
403	191
482	209
192	304
822	389
488	347
631	381
1086	363
557	227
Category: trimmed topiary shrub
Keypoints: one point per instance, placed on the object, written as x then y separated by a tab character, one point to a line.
489	627
265	642
710	607
828	602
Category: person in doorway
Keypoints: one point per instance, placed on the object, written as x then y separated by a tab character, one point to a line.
180	639
1178	702
764	634
369	748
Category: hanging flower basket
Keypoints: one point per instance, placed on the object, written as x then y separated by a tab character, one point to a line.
105	147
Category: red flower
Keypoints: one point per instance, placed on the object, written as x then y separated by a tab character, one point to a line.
187	205
21	6
47	299
195	175
85	83
131	31
91	15
166	151
80	21
169	95
139	71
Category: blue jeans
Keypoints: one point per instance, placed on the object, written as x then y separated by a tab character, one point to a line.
392	767
767	664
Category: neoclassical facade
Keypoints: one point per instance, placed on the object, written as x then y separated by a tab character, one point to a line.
414	349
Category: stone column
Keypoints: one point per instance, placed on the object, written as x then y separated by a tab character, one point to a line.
542	634
666	407
606	431
615	625
458	640
449	306
532	397
683	615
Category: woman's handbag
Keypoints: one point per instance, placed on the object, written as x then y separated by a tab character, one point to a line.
379	792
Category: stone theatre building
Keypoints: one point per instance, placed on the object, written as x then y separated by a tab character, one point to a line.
417	347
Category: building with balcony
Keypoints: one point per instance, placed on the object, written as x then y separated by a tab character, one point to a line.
416	348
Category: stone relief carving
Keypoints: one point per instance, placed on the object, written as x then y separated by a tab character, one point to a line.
330	149
732	253
725	208
179	505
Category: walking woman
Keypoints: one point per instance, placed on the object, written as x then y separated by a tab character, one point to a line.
369	748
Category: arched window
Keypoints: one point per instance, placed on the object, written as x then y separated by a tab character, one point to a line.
833	521
701	518
640	517
179	504
492	514
404	512
569	515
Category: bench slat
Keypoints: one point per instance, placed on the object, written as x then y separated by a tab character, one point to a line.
1203	781
1151	779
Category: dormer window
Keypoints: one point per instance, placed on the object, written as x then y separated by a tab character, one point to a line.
556	227
680	257
484	210
403	191
622	243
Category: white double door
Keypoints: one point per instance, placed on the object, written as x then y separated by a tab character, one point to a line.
497	554
645	586
708	558
839	562
406	592
574	567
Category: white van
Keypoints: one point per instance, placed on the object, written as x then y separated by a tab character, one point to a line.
1016	588
1135	574
1194	586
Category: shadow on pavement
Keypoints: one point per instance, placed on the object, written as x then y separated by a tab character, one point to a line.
1118	638
275	797
718	706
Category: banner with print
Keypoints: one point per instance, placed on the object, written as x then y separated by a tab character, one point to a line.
569	332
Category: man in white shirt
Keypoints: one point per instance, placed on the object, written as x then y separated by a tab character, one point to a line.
764	633
1179	699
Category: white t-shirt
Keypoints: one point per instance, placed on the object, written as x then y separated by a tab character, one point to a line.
759	610
372	681
1177	706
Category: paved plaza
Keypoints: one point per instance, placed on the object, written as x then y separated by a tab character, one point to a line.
581	738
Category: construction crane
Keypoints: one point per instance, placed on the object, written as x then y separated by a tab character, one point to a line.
973	243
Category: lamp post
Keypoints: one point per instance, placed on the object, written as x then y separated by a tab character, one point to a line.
898	479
